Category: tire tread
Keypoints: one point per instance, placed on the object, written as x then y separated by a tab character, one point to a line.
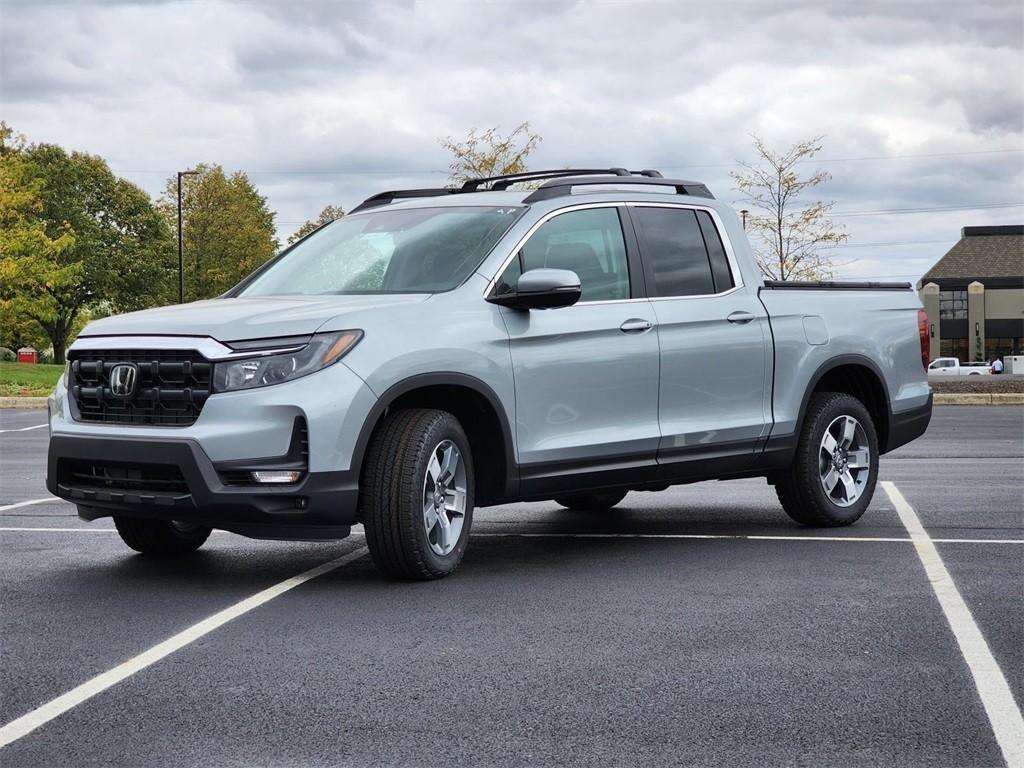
796	487
388	480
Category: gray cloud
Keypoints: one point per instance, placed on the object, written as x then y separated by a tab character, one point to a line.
327	102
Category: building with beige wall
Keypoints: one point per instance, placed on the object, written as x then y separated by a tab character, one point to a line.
974	295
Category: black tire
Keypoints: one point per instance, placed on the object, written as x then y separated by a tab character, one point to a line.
392	491
160	537
591	501
800	488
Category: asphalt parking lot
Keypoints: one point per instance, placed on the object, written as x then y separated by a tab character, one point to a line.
696	626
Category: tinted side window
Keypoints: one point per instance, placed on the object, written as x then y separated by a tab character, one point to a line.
588	242
674	247
716	253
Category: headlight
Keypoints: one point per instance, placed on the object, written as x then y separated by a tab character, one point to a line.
246	373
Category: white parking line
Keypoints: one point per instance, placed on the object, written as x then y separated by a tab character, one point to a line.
27	723
24	429
850	539
59	530
90	529
30	502
1003	712
357	530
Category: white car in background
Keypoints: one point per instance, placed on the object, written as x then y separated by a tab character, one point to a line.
951	366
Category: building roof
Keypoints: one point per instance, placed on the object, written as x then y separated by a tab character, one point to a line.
982	252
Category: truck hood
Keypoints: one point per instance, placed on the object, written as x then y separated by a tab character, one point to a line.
246	318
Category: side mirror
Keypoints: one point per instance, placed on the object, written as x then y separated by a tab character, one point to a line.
542	289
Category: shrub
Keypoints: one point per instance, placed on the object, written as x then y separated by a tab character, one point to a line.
7	355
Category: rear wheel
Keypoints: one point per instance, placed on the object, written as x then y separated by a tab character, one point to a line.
835	469
417	494
592	501
160	537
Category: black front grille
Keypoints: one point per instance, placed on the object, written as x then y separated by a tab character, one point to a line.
170	386
117	476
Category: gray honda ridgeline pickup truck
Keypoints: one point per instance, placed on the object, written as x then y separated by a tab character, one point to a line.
439	350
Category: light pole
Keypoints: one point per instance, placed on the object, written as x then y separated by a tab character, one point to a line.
743	213
181	263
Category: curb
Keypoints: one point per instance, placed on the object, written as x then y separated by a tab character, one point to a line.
22	402
979	398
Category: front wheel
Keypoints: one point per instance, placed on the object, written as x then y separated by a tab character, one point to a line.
835	469
160	537
417	494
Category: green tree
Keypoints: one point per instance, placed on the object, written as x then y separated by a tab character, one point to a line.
27	253
787	234
228	230
488	153
83	236
327	215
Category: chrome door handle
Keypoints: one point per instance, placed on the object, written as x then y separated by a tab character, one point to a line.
740	318
636	325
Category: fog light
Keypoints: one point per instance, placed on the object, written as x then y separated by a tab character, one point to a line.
276	476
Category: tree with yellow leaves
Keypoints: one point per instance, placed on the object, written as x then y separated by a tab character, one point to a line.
489	153
327	215
788	238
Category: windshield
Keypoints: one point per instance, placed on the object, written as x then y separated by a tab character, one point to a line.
415	250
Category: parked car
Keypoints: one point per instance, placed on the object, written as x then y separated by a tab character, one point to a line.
951	366
441	350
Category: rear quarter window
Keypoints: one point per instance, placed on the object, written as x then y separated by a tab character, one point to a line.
720	272
674	253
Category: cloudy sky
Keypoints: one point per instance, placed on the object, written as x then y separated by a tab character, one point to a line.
327	102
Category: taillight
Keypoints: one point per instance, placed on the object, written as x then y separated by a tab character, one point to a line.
922	332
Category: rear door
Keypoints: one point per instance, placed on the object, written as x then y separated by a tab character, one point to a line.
715	387
586	376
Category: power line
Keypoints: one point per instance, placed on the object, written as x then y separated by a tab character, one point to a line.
971	207
898	211
432	171
309	171
890	244
858	159
913	156
887	274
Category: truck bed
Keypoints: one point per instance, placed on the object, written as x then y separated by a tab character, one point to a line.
814	325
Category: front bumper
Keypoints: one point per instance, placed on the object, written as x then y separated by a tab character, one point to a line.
320	506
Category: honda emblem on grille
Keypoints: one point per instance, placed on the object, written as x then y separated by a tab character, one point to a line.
122	380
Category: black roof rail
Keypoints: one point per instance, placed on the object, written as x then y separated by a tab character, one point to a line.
563	186
506	180
383	198
560	181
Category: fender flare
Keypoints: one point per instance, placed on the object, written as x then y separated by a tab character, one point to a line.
835	362
450	378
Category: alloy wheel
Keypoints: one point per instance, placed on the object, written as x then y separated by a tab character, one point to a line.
844	461
444	497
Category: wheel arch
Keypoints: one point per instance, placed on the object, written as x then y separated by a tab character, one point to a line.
481	414
860	377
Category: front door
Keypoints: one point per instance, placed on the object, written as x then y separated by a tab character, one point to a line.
586	376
